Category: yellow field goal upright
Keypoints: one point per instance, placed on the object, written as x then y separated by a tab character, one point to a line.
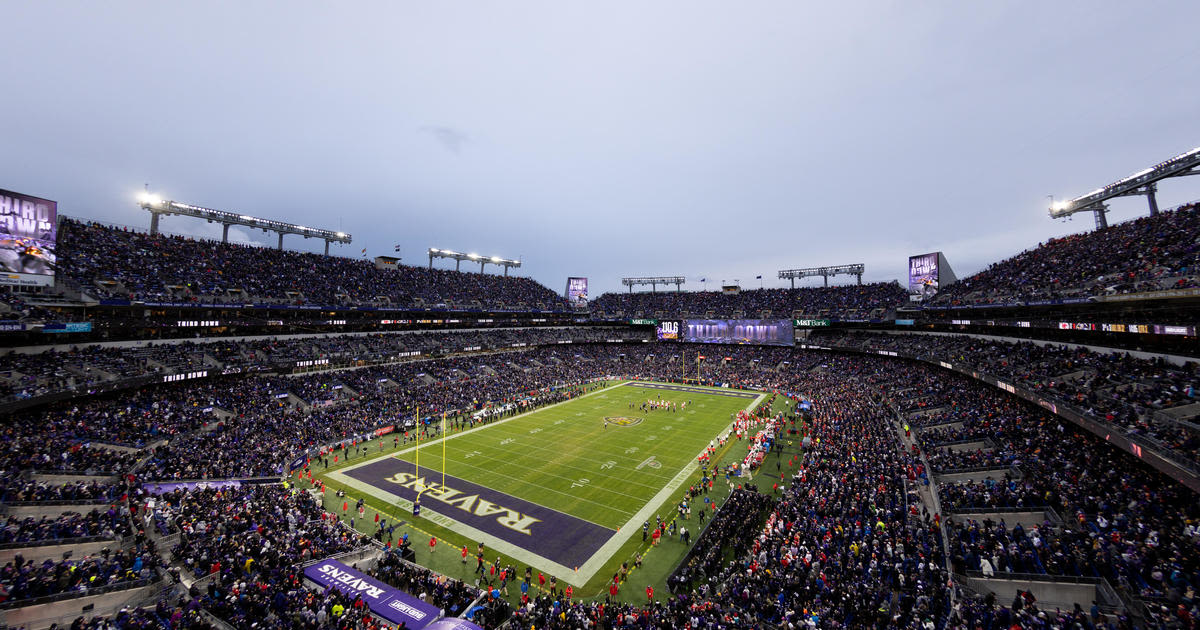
420	487
696	380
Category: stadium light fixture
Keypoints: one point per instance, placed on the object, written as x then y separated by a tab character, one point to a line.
653	282
437	252
825	272
1143	182
159	207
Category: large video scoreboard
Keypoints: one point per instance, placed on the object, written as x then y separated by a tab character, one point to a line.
28	236
769	332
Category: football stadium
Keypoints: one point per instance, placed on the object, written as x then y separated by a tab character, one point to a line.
259	393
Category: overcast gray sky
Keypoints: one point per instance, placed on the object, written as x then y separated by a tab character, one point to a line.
709	139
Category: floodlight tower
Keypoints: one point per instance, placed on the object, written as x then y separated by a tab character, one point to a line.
848	270
654	281
158	207
1143	182
458	257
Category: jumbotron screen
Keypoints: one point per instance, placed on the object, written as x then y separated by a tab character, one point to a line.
577	291
28	233
770	332
923	275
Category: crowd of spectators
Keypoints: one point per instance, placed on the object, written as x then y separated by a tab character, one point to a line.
76	370
731	530
846	546
26	580
1150	254
16	307
125	263
169	613
16	488
1128	392
281	601
247	532
111	523
1116	387
250	542
450	595
63	454
1107	515
1120	521
852	301
847	543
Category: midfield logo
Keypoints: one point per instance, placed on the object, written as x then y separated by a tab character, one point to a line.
622	421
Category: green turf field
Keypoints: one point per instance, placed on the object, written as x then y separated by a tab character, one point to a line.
564	456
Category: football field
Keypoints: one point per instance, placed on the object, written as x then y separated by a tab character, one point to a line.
562	487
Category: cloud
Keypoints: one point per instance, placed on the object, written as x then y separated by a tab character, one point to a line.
450	138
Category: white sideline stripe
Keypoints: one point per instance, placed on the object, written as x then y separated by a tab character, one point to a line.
567	574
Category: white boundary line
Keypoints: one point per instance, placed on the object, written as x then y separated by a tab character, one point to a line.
593	564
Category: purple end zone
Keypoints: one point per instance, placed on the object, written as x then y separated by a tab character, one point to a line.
556	536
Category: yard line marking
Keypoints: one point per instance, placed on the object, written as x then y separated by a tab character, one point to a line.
653	506
523	447
566	494
519	467
585	571
487	426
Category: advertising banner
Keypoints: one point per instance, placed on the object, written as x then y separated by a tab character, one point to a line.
392	604
67	327
165	487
